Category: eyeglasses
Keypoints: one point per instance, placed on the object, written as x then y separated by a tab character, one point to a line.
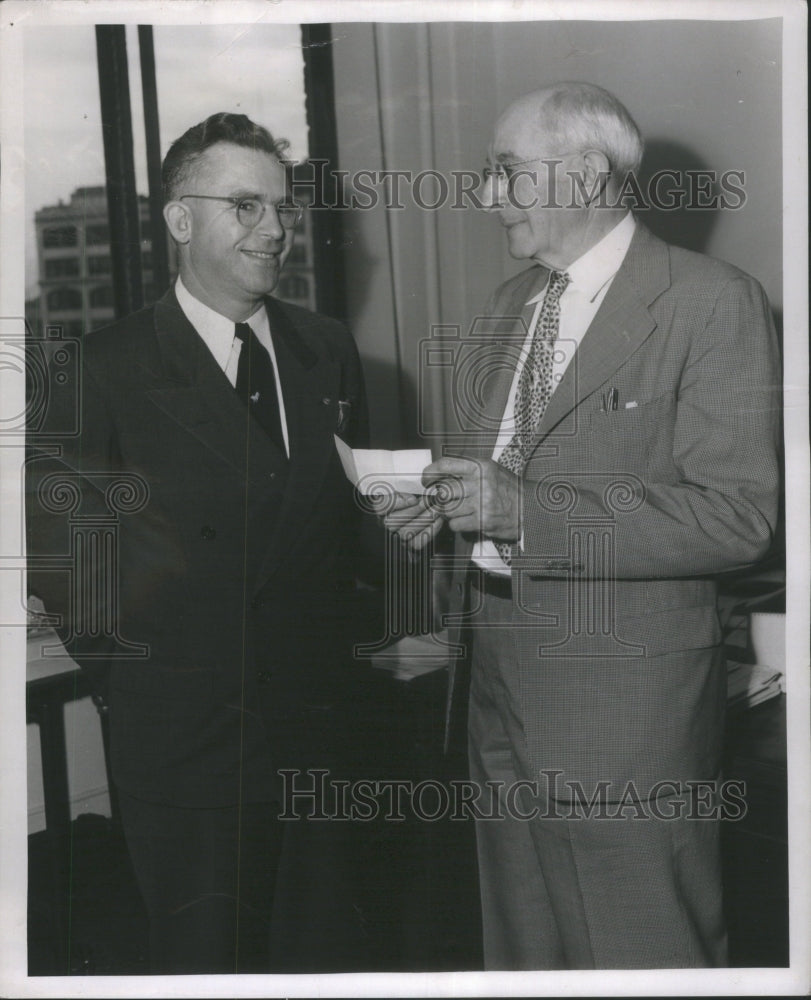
251	211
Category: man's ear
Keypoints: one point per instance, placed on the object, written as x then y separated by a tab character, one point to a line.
178	221
597	170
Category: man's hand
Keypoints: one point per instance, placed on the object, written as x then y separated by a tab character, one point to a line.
414	519
480	496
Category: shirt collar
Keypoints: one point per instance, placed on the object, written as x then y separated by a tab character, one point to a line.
216	330
600	263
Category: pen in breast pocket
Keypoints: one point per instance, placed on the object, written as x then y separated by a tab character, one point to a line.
610	400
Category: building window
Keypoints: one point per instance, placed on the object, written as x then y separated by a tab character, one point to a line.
62	267
293	286
60	236
99	265
101	297
64	298
95	235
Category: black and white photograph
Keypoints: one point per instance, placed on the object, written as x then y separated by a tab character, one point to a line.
405	549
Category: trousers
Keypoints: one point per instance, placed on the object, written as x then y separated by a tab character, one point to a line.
578	892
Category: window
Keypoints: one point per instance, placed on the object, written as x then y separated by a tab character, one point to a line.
60	236
101	297
65	298
97	234
62	267
99	265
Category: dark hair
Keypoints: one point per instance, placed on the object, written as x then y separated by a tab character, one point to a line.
222	127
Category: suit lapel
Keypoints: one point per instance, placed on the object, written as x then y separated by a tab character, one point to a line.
310	389
194	391
623	322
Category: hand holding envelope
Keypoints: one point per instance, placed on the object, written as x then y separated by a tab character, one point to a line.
479	497
393	482
417	495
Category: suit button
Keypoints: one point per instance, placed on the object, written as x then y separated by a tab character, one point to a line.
257	602
263	676
208	532
326	400
273	475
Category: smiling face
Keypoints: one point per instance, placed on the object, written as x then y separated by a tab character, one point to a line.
222	263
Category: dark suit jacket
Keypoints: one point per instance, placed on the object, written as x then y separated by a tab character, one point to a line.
629	515
231	565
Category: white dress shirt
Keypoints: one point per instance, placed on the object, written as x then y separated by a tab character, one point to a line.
217	333
591	276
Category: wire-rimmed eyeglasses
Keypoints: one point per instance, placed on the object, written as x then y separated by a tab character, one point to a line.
251	211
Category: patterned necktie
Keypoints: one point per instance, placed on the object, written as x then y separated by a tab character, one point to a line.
534	386
256	383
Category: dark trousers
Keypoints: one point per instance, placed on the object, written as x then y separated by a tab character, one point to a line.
207	877
237	889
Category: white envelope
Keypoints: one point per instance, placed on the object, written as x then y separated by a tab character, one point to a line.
374	471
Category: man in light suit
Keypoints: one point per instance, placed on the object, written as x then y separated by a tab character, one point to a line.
626	457
230	586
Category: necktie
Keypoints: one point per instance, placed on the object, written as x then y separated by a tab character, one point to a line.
256	383
534	385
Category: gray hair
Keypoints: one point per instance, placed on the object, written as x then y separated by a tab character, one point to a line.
580	116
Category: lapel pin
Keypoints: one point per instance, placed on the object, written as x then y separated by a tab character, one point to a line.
344	409
255	396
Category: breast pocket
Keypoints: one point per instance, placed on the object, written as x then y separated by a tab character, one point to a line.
624	439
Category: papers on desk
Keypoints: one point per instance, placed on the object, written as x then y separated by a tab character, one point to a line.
414	655
375	471
748	684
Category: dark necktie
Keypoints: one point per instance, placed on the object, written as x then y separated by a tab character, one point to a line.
534	385
256	383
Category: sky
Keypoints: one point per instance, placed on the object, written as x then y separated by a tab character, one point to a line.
200	69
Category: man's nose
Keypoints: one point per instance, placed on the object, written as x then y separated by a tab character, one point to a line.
270	226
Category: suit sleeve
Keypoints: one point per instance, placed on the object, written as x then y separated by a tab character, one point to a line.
708	502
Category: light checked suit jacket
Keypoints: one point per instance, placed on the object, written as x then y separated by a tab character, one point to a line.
628	515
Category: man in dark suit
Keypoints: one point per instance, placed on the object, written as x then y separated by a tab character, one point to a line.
625	457
223	595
